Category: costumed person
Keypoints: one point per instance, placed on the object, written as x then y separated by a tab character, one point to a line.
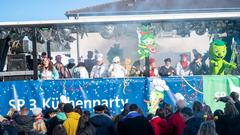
197	67
69	67
167	69
80	71
59	66
217	52
153	68
147	43
156	98
182	68
115	69
47	71
136	69
98	70
127	65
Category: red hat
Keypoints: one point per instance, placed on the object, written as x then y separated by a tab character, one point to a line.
152	60
184	55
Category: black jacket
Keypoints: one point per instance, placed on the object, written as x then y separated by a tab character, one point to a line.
192	126
24	124
226	125
52	123
135	124
225	99
103	124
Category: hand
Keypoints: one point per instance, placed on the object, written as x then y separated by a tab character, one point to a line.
233	65
217	98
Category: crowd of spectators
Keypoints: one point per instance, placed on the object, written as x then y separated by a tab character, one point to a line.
67	120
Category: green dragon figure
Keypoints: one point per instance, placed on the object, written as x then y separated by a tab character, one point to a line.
147	43
217	52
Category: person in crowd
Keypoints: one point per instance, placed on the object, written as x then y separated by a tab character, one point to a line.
136	69
229	123
59	118
59	130
116	70
168	111
69	68
60	67
98	70
207	128
167	69
197	109
120	116
78	109
85	127
127	65
134	123
153	68
24	123
12	113
39	126
80	71
47	71
217	114
234	97
159	124
89	62
197	67
87	113
182	68
7	126
208	115
176	122
102	122
192	123
71	123
44	55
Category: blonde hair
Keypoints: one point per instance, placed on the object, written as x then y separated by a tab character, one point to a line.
40	127
207	128
11	112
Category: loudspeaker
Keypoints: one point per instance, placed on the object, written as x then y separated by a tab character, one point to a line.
17	62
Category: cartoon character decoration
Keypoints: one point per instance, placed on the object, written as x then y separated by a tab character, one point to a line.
147	43
157	88
217	52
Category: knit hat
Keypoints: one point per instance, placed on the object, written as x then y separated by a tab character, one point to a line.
68	108
183	55
36	111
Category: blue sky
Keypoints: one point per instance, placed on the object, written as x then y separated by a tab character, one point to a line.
28	10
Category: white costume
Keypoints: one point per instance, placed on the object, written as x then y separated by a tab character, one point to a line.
80	72
98	71
116	70
183	72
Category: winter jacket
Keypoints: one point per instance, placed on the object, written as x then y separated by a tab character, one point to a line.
53	122
71	123
159	125
98	71
24	124
103	124
192	126
176	124
226	125
135	124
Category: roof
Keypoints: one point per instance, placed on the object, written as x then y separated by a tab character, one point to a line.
156	6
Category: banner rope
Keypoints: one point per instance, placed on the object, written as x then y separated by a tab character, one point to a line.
191	85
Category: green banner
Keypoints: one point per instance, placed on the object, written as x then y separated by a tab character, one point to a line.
219	86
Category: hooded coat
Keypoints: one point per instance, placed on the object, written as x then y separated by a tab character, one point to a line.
24	124
71	123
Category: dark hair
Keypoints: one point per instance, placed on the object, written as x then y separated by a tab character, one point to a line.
197	106
150	116
60	107
160	113
84	126
186	111
234	96
125	109
87	113
133	107
68	108
78	109
218	113
59	130
50	66
167	60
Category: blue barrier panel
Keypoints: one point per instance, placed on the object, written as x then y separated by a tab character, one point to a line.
89	92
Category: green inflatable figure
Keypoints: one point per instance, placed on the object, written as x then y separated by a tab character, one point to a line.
217	52
147	45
